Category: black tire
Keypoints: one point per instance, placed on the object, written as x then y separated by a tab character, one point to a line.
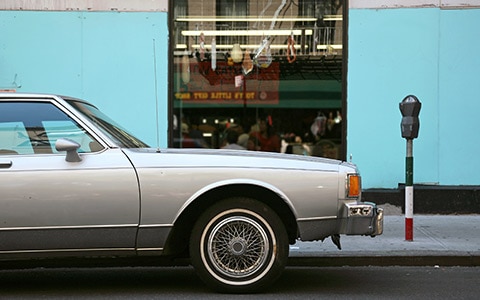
239	245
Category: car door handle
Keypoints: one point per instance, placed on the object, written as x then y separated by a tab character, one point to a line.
5	164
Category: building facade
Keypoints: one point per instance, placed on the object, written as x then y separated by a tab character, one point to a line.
148	64
113	53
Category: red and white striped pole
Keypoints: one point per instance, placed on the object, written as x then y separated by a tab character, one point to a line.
409	192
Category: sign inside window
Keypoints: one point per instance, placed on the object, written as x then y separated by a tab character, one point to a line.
206	86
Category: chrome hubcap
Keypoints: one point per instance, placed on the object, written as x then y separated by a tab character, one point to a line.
238	246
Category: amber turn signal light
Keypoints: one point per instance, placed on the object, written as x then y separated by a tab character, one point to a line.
354	186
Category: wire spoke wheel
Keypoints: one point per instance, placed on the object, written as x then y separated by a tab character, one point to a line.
239	245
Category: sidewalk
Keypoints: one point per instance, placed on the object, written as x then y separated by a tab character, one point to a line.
443	240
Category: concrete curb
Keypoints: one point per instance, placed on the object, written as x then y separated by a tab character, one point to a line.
358	261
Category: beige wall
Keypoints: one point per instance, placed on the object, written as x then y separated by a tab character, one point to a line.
414	3
88	5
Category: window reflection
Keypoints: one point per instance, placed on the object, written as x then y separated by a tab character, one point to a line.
239	64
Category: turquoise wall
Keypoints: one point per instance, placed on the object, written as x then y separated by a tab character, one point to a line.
428	52
107	58
104	57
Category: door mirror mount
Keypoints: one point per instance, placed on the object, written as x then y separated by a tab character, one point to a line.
71	147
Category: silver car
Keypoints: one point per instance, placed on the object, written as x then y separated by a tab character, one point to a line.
75	184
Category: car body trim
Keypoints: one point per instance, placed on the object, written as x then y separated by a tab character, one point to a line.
317	218
150	249
66	250
156	225
67	227
243	181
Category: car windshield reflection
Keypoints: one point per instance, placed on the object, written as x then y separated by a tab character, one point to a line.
109	127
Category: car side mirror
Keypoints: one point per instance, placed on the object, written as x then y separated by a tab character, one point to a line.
71	147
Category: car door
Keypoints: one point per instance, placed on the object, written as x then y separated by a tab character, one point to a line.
50	206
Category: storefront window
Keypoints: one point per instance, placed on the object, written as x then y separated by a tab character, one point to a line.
266	75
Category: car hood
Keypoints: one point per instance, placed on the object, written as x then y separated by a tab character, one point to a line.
211	158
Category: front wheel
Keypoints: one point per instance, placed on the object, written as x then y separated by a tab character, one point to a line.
239	245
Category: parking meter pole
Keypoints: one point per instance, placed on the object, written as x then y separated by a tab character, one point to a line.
410	108
409	191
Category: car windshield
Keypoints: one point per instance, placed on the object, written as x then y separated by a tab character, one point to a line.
108	126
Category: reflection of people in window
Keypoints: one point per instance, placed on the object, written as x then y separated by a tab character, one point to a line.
231	140
253	143
334	126
318	126
266	136
187	141
192	138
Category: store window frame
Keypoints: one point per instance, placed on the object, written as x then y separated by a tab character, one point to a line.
173	122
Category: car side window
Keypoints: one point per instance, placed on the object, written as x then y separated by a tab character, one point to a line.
14	139
34	127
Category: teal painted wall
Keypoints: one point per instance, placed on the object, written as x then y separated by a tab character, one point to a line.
107	58
428	52
104	57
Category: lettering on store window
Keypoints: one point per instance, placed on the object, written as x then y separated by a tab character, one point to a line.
205	86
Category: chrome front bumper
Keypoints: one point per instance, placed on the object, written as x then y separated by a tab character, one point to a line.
363	218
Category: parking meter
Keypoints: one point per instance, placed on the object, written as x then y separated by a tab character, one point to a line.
410	108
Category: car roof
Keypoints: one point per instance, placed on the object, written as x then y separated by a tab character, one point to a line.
14	95
26	95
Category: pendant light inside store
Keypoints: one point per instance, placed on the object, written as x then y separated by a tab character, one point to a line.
236	53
